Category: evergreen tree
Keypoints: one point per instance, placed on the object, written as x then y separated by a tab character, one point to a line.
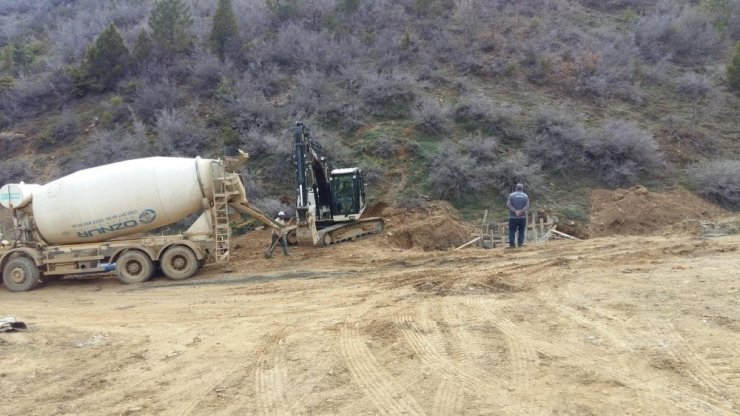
106	60
432	8
6	82
348	6
143	47
16	56
283	9
225	33
170	21
733	70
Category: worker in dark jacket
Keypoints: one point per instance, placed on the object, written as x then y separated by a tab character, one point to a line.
518	205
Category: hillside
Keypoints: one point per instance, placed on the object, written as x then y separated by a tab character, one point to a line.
442	99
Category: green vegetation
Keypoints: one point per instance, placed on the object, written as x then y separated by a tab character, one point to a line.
170	22
15	56
733	70
348	6
282	9
143	47
225	33
105	62
6	82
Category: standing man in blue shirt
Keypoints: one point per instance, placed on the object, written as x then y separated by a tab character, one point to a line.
518	205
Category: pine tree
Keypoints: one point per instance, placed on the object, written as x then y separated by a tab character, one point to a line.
16	56
733	70
283	9
225	33
170	21
142	47
348	6
106	60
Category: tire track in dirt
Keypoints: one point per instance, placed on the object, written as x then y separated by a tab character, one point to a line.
528	345
445	336
209	375
270	378
529	269
680	396
375	382
721	359
522	356
693	364
614	254
447	399
79	379
464	345
190	396
256	376
470	379
613	334
448	334
323	361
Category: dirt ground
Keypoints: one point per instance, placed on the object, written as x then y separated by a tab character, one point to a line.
643	324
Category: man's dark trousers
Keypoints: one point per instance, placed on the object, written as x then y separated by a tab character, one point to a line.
517	224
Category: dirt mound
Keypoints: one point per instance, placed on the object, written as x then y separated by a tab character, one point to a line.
637	211
247	245
375	210
436	226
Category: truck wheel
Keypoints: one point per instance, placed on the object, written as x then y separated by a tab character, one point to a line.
179	263
134	267
20	274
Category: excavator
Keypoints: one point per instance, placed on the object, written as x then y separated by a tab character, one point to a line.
329	202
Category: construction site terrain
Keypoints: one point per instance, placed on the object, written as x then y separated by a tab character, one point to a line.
643	317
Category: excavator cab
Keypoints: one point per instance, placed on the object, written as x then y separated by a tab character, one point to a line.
348	194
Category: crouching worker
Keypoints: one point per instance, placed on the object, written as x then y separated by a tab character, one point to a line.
278	236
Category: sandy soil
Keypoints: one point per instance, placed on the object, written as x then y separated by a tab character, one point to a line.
618	325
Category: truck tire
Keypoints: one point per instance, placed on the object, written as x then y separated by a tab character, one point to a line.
179	263
20	274
134	266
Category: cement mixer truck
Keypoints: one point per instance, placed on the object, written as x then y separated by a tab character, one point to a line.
95	220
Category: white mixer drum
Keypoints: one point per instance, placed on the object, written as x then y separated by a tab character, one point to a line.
120	199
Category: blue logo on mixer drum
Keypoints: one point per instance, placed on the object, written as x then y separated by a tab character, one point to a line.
147	216
9	196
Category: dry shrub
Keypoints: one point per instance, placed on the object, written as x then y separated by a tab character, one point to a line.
430	116
620	152
180	133
557	142
718	181
14	171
